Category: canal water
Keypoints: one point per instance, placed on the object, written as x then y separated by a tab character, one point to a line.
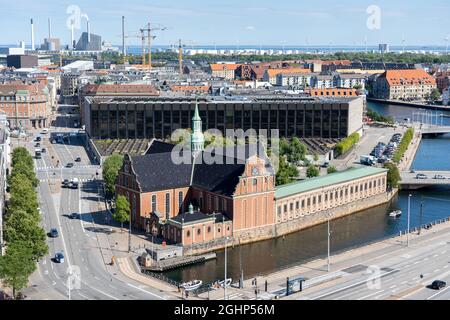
347	232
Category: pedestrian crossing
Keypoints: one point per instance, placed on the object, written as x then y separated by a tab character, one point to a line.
46	168
55	179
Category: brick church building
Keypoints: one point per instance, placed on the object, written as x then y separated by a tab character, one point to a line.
198	201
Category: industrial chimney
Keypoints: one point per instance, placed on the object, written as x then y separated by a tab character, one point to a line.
32	35
49	28
72	42
124	52
88	32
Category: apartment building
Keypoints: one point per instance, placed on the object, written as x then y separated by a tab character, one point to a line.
414	84
25	105
224	70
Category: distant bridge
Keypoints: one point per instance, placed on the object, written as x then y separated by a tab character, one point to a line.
434	129
410	181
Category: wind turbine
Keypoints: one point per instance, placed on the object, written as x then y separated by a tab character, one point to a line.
403	43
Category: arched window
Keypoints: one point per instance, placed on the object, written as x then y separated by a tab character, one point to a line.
167	205
154	203
180	202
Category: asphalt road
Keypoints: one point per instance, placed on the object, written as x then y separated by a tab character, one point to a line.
78	238
400	273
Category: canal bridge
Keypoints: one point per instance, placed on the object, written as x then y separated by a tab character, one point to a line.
411	182
434	129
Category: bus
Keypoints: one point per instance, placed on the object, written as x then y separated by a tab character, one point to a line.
37	153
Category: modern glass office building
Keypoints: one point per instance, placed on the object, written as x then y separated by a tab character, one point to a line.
137	117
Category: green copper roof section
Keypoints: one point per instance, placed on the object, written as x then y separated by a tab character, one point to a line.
196	113
325	181
22	92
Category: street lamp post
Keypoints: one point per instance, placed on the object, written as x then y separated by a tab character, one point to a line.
225	280
409	214
328	236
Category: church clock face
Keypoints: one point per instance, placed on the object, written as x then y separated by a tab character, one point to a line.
255	171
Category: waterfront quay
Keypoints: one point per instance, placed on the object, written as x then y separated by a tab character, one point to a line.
387	269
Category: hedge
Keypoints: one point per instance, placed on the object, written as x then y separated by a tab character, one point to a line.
346	144
403	146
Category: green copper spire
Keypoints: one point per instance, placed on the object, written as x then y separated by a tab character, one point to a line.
197	137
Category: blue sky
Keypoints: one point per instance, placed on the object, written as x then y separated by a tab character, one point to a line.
237	22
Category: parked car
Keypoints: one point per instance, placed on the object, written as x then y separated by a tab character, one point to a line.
78	159
59	257
53	233
438	284
65	183
38	139
421	176
69	165
439	177
74	215
44	150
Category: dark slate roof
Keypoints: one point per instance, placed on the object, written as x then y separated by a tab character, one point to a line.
157	146
158	172
221	177
198	216
190	218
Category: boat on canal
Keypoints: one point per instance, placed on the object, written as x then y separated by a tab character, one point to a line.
395	214
191	285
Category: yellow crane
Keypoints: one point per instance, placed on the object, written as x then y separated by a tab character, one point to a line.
149	29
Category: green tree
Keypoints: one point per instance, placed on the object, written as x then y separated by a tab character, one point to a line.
111	168
284	147
393	175
435	95
286	172
312	171
331	169
20	227
296	151
16	266
23	196
21	154
346	144
122	212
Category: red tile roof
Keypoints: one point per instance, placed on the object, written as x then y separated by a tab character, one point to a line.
408	77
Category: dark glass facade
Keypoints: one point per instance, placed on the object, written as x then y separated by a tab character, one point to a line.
127	119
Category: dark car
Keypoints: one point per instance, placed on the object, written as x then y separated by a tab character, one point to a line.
37	145
74	215
59	257
44	150
65	183
78	159
69	165
438	284
38	138
53	233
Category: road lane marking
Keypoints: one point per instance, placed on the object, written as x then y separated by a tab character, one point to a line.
369	295
354	284
84	296
153	294
437	293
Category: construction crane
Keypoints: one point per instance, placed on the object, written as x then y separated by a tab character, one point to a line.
181	45
150	37
180	56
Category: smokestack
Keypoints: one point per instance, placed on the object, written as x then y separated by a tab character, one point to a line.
32	35
88	31
72	43
124	52
49	28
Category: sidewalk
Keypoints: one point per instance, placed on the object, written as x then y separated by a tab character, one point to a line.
113	242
